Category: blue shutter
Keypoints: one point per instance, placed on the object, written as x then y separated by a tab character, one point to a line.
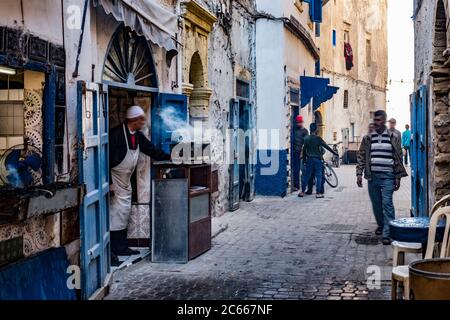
316	10
234	196
419	158
334	38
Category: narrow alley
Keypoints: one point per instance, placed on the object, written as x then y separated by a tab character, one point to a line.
275	248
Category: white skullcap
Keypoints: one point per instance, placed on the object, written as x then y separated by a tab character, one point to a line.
135	112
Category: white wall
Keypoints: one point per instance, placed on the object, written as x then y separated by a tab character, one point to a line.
270	79
40	17
275	8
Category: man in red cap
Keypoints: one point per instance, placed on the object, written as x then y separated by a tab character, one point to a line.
300	133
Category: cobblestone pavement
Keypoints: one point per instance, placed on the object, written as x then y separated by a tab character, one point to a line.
276	248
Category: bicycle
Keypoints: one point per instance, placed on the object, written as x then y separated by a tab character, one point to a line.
336	160
330	175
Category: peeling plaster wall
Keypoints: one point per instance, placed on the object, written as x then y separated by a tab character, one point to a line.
423	53
366	84
231	57
363	100
428	51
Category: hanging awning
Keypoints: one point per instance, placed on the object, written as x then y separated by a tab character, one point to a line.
147	18
324	96
317	89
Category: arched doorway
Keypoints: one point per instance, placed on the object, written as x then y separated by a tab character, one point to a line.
130	73
197	89
196	75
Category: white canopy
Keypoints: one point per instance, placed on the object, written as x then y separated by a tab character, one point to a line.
147	18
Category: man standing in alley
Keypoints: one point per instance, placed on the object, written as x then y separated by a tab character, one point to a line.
127	142
392	128
300	133
313	157
392	125
406	144
381	165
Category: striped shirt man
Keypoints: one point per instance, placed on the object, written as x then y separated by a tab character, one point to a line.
382	159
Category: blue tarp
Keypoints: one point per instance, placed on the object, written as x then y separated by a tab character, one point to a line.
317	89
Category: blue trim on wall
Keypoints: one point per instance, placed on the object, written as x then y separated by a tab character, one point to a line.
40	277
49	127
275	184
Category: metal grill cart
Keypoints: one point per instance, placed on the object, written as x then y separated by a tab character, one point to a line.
181	212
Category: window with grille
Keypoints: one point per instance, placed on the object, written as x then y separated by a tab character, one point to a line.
12	125
345	99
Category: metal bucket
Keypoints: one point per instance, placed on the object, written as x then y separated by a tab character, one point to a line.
430	279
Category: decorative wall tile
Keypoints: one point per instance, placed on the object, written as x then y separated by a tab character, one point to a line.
39	233
33	124
38	49
57	55
12	41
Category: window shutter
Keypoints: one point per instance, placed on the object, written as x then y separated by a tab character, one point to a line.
316	10
345	99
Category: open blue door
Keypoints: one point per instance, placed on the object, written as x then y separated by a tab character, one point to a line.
247	145
93	161
419	157
234	196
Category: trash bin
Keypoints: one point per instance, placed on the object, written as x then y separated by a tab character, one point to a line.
430	279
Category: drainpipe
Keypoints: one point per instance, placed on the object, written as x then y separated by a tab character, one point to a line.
23	14
80	42
63	26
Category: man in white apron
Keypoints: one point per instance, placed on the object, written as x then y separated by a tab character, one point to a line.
126	142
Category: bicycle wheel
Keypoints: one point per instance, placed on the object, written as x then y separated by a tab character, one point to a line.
330	176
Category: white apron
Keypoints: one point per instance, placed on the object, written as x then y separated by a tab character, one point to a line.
120	205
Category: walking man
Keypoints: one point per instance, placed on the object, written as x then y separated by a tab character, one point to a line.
379	162
313	157
406	144
300	133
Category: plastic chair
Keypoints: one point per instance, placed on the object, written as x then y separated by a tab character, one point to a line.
400	249
401	273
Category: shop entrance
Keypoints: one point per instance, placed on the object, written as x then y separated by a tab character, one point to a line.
120	100
130	74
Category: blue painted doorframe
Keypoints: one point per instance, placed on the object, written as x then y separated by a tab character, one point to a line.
419	156
234	153
93	164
